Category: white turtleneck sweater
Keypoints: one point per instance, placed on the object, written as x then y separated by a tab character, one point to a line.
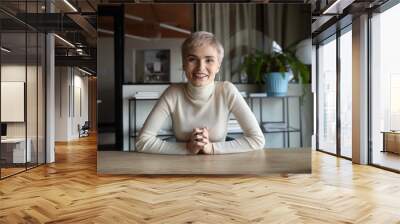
195	107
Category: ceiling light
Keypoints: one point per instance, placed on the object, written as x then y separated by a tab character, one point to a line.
105	31
70	5
126	35
132	17
5	50
137	37
166	26
337	7
84	71
65	41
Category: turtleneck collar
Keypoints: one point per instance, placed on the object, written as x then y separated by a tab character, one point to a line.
201	93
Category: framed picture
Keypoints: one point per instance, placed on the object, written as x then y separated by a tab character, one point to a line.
156	66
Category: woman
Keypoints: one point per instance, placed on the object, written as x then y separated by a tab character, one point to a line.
200	108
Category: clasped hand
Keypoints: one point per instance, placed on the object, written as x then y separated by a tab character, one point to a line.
200	142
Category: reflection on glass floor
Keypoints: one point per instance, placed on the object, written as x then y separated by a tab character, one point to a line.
387	159
5	172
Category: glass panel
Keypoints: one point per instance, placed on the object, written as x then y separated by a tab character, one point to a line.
385	83
13	88
31	86
105	81
327	97
31	97
346	94
41	98
22	77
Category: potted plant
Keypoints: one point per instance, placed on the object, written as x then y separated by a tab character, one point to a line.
274	69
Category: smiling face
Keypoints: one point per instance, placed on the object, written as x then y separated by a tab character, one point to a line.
201	64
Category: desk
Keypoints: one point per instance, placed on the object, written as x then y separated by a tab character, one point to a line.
13	150
259	162
391	141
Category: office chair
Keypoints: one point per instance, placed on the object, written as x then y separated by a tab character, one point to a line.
84	130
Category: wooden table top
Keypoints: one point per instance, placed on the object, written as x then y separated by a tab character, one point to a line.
260	162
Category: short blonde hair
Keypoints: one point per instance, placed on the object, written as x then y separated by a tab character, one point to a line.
199	39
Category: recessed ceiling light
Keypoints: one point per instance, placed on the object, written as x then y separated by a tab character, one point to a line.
132	17
5	50
166	26
137	37
126	35
65	41
84	71
70	5
337	7
105	31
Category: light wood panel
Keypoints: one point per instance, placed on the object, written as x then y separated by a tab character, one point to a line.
70	191
259	162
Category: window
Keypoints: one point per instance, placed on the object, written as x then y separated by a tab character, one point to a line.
346	93
327	96
22	75
385	85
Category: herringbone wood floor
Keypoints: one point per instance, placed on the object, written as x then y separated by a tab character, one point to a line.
70	191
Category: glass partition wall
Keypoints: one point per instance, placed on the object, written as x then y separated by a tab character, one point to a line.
22	100
346	93
385	89
334	100
106	73
327	95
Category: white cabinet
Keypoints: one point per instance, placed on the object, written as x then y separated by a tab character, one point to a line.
16	147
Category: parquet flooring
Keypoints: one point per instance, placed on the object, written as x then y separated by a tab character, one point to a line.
70	191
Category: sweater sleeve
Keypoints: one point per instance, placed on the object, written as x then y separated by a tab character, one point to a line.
253	138
148	141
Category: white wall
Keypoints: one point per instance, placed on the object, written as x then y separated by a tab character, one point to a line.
61	103
33	126
106	58
70	83
12	73
173	44
79	117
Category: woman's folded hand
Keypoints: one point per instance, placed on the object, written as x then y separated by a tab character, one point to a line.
199	142
207	149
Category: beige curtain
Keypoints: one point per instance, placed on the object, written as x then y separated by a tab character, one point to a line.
243	28
236	26
286	24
